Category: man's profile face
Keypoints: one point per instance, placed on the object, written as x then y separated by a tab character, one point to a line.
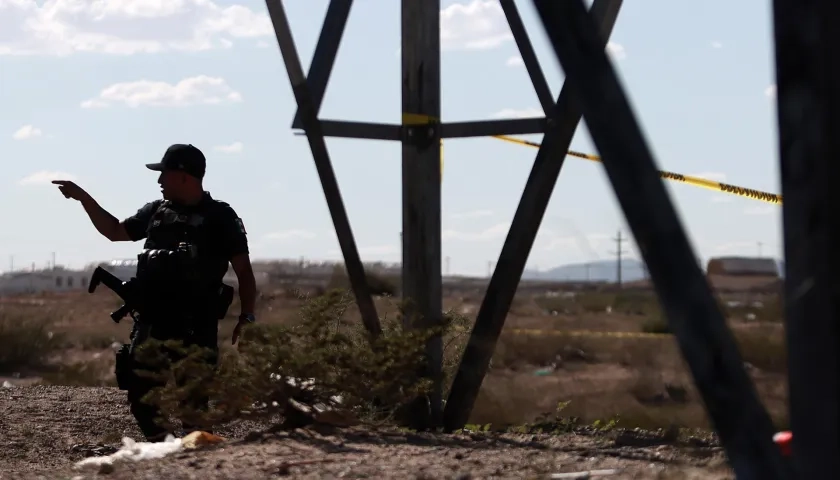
171	183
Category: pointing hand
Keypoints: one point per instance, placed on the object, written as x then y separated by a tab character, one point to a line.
70	189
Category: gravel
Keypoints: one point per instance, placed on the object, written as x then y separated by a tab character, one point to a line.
45	430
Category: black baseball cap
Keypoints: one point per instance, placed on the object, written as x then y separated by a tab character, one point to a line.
181	157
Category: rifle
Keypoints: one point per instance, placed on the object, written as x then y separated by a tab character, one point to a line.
127	291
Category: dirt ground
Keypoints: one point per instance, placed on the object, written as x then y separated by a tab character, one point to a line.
601	355
44	430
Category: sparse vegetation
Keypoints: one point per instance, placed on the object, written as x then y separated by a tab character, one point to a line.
320	357
26	341
554	349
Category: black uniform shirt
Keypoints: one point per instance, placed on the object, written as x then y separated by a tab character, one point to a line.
219	233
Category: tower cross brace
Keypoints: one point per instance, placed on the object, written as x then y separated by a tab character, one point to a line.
807	70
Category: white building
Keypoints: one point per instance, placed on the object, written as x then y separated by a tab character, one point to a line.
50	280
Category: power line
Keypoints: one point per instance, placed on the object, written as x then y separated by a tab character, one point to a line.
618	253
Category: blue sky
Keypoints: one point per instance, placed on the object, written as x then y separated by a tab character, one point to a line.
94	90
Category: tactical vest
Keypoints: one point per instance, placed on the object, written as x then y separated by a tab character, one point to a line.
171	225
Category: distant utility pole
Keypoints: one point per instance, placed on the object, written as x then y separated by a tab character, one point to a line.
618	253
760	244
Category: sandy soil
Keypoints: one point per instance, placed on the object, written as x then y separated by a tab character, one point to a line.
44	430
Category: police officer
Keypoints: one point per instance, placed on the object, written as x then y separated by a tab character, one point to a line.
207	231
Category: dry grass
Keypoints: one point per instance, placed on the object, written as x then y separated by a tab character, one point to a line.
67	338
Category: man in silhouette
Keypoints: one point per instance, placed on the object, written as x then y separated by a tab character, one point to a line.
190	238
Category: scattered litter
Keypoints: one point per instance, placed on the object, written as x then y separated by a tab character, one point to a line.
200	439
7	384
783	441
135	451
585	474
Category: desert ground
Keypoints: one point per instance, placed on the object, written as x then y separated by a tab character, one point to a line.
592	364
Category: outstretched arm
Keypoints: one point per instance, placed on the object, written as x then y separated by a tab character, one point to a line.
131	229
105	223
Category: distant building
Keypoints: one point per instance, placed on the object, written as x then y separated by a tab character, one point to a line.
49	280
124	269
743	266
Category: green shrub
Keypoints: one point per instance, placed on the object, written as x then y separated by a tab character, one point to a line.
26	342
374	379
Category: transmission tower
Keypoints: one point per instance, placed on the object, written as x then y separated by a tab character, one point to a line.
618	254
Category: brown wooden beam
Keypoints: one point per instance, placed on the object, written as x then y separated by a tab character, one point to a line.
421	231
520	239
312	127
807	44
323	59
695	318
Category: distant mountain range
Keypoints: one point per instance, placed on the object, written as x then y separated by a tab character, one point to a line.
599	271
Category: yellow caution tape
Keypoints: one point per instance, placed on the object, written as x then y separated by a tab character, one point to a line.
579	333
585	333
415	119
677	177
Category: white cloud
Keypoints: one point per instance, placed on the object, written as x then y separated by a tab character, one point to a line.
717	44
496	231
27	132
124	27
44	177
293	234
616	50
479	24
770	91
521	113
235	147
198	90
515	61
472	214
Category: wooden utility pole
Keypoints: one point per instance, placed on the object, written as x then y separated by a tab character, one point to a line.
619	240
420	132
421	275
695	317
807	42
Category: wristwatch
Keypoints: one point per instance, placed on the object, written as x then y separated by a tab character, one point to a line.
247	317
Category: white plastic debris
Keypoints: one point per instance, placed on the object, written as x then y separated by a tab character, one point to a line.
134	451
7	384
